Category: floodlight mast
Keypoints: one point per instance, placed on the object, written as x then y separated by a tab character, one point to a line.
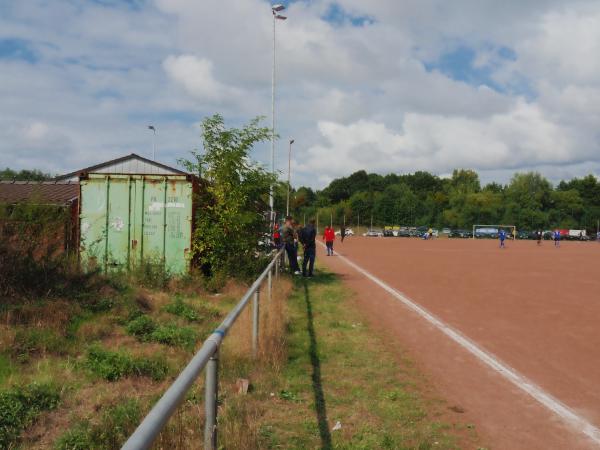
153	128
275	9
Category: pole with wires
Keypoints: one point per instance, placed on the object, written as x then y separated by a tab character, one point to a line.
275	9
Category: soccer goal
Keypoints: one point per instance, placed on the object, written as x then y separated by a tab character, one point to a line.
492	231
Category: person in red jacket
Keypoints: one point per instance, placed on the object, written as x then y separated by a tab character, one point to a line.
329	237
277	236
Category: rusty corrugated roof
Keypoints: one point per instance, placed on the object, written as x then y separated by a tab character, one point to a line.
46	192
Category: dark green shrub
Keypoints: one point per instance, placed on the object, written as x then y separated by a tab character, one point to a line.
113	366
174	335
20	407
142	327
110	432
181	309
146	329
151	274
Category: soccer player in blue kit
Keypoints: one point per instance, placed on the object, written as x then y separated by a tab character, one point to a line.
502	237
557	238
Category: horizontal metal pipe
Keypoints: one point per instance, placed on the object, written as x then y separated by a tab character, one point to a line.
147	432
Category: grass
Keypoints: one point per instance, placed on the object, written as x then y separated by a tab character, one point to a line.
338	370
147	330
20	406
114	365
115	425
317	364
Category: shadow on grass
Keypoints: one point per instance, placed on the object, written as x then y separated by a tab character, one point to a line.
317	385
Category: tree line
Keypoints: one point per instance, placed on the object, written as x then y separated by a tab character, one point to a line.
529	201
24	175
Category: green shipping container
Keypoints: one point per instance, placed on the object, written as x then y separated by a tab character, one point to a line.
126	219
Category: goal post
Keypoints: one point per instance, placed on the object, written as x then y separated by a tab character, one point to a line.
491	231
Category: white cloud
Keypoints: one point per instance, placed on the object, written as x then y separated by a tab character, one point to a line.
352	97
196	76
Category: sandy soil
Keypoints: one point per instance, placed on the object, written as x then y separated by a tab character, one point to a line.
535	308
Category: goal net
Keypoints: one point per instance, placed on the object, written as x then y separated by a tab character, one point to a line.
493	231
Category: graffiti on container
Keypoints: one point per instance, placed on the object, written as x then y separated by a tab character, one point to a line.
118	224
174	225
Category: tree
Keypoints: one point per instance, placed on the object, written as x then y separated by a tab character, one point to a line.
230	218
24	175
528	200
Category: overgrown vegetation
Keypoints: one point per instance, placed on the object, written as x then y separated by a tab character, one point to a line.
110	432
528	201
20	406
33	261
195	313
147	330
114	365
234	199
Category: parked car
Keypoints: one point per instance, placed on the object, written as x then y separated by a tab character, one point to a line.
522	234
349	232
486	232
446	230
404	232
462	234
388	232
374	233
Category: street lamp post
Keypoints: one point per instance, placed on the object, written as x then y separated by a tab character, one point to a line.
287	205
153	128
275	9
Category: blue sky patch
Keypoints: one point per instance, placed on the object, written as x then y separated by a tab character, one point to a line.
18	49
338	16
130	4
459	64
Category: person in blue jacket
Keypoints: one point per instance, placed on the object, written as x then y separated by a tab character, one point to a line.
557	238
502	237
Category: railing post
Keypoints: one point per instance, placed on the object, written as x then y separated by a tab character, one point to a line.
210	402
270	284
255	316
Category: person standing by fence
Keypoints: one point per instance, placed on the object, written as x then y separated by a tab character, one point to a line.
277	236
289	240
342	234
329	237
307	238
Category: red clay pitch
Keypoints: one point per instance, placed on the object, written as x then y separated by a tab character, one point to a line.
536	308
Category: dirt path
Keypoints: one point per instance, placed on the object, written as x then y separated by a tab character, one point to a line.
535	309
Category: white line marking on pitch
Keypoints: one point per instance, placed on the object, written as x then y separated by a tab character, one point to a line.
520	381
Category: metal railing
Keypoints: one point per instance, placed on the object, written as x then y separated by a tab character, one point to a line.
207	357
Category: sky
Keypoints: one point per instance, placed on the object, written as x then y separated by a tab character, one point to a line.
384	85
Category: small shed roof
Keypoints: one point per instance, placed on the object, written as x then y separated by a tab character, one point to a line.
130	164
46	192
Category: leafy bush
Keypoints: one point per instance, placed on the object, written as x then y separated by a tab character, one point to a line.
181	309
146	330
142	327
20	407
151	274
113	429
230	222
113	366
174	335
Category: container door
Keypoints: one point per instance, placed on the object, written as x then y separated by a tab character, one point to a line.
178	225
153	201
117	257
104	222
92	225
